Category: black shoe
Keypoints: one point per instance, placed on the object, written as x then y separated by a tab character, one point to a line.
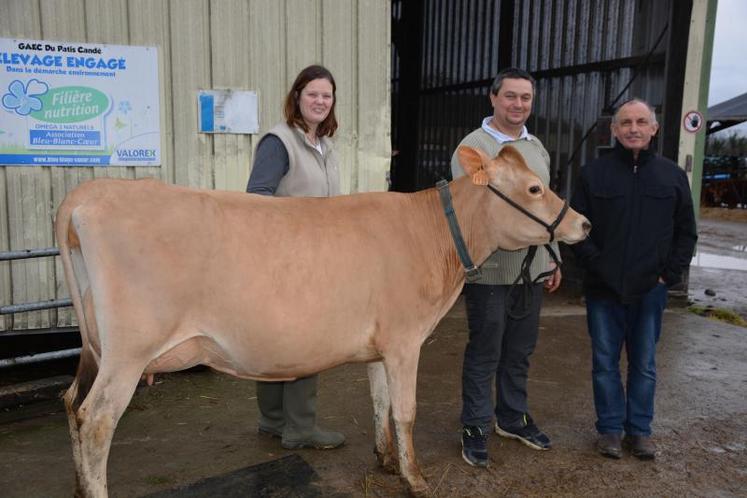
641	447
474	446
527	433
610	445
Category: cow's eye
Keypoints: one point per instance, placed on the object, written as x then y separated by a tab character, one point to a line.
535	189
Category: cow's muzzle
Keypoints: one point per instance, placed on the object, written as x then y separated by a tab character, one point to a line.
549	227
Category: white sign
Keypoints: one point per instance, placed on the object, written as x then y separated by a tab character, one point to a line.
77	104
227	111
693	121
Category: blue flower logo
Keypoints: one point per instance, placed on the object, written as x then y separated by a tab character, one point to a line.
125	107
23	98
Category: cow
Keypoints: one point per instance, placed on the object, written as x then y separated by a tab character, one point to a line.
164	278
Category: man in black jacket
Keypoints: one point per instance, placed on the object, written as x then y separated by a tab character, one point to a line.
643	239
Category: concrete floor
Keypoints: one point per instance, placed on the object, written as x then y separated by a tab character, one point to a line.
200	424
720	265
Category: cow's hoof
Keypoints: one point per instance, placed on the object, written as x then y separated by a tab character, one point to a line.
391	468
390	465
418	487
420	491
388	462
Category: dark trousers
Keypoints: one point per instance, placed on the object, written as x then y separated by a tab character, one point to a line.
637	326
498	349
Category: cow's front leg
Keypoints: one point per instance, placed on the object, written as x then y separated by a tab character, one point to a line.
402	373
384	448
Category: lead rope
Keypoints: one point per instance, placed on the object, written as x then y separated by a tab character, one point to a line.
520	308
472	273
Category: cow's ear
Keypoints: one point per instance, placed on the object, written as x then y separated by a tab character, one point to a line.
473	161
509	154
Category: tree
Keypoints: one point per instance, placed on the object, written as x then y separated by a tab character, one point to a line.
730	145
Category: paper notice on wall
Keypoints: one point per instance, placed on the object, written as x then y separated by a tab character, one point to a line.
227	111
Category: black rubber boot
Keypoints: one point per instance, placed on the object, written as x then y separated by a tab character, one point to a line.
270	403
299	410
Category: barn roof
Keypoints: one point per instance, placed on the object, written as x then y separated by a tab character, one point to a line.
728	113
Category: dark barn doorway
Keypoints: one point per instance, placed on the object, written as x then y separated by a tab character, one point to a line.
587	55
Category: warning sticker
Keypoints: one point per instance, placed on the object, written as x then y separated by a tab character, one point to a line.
693	121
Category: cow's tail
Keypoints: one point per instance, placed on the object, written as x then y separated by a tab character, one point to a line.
68	242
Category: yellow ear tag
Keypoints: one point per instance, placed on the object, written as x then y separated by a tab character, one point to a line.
480	177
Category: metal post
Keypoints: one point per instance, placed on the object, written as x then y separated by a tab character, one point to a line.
409	37
674	69
28	253
41	305
695	92
36	358
35	306
695	98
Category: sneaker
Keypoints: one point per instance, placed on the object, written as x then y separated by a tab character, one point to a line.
527	433
610	445
474	446
641	447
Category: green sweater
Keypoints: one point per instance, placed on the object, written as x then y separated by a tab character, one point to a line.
502	267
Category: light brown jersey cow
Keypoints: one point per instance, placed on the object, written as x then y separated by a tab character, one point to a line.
164	278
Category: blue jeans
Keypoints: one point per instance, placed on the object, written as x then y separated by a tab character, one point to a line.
638	326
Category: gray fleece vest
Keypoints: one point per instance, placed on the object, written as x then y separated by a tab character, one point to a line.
502	267
310	174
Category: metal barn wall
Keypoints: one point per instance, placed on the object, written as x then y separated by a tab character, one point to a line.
583	53
245	44
587	57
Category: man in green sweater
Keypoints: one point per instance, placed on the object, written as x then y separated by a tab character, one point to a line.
500	339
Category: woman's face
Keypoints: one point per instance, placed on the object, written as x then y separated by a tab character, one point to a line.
316	101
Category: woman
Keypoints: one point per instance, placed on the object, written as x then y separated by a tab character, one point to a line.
296	158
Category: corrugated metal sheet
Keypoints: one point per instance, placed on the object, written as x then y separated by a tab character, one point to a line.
248	44
582	52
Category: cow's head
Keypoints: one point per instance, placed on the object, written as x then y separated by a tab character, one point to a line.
508	173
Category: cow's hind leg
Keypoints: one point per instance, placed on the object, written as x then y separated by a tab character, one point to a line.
401	372
93	422
384	448
74	396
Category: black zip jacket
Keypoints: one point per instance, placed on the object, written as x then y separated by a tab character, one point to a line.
643	224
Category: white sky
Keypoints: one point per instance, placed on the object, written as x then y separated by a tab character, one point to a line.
729	63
